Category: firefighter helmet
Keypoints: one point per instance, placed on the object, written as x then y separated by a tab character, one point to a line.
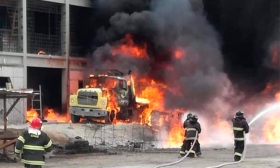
189	116
36	123
194	118
239	114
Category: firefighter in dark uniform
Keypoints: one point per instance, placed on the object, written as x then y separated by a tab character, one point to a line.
193	127
185	126
32	145
240	126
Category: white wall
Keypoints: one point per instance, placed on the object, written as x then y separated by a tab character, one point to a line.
17	115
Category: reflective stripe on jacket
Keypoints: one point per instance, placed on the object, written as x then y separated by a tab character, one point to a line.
33	147
191	130
240	125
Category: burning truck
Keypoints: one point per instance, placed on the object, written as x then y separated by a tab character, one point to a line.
110	96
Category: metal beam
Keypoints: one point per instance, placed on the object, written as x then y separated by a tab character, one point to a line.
24	40
13	105
24	37
5	116
67	53
82	3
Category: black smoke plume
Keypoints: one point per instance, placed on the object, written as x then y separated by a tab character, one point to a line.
195	80
250	33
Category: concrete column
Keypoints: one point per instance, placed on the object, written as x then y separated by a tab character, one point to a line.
24	41
20	40
65	72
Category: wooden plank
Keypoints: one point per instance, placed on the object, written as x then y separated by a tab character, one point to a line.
8	136
8	143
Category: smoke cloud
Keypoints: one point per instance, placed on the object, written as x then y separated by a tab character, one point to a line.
195	80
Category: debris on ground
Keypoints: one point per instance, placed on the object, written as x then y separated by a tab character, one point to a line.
6	159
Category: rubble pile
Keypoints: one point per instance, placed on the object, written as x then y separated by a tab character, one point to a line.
75	145
6	159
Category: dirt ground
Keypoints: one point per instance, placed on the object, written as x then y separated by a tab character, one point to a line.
258	156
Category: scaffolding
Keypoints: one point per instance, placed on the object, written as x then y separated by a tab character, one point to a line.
44	35
9	27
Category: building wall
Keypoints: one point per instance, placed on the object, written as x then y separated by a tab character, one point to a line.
20	51
75	76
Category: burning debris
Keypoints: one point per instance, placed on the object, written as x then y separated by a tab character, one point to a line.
178	55
171	48
48	114
180	63
177	67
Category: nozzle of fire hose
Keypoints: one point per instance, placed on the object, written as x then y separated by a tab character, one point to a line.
178	161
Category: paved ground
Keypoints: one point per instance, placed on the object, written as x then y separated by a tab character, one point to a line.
258	156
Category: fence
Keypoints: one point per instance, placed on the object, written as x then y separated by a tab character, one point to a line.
129	136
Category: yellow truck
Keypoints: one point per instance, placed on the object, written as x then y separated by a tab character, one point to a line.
109	95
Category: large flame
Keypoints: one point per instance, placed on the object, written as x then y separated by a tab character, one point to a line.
49	114
149	91
271	128
130	49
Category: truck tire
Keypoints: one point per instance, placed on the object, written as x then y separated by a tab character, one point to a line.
75	119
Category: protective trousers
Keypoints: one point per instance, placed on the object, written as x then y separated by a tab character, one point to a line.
238	150
31	166
183	148
192	153
197	151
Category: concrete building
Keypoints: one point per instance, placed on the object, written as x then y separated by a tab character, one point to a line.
40	45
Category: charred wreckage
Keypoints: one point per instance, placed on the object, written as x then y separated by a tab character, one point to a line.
107	96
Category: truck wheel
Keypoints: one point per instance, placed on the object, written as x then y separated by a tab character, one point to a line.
75	119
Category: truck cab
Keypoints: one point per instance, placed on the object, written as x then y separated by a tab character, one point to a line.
104	96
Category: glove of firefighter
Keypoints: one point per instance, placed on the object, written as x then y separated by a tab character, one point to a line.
17	157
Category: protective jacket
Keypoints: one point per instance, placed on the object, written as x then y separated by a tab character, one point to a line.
32	147
192	127
240	125
185	126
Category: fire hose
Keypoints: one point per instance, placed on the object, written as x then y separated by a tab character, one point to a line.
231	163
244	151
218	166
178	161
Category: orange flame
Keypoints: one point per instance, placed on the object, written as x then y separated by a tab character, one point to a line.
130	49
41	52
277	96
276	55
271	128
178	53
148	91
30	114
50	115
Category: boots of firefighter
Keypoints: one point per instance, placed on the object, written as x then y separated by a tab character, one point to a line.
182	153
183	149
198	151
236	158
192	155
